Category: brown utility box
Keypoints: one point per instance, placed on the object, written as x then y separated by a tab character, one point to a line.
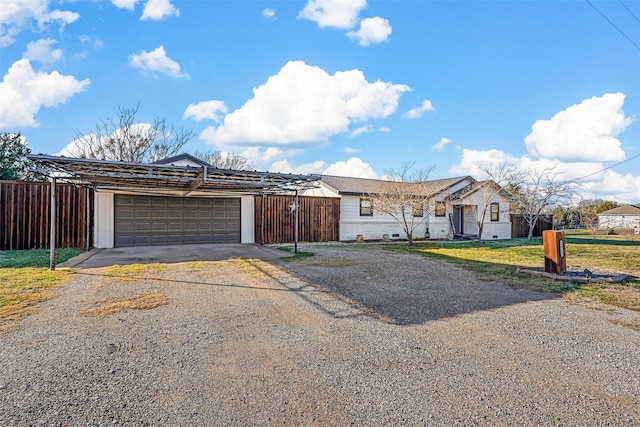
555	255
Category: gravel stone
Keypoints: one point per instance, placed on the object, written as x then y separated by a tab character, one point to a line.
351	336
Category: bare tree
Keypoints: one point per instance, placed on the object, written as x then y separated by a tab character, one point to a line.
234	161
589	218
490	191
128	140
405	197
538	192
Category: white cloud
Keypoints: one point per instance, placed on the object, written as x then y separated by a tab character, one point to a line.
361	130
384	129
18	15
261	156
613	186
586	131
333	13
417	112
125	4
205	110
93	42
23	92
372	30
268	13
303	104
41	51
353	167
575	143
439	146
156	63
350	150
284	166
157	10
473	161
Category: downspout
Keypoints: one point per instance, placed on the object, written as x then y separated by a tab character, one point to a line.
52	229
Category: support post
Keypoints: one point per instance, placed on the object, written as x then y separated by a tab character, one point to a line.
262	220
297	221
88	217
52	230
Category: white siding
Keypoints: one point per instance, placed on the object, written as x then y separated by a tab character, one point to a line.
371	227
246	219
103	220
618	221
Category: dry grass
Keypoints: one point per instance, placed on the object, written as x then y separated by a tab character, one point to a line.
144	301
126	273
21	289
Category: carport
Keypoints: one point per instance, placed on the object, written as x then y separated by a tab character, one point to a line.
164	204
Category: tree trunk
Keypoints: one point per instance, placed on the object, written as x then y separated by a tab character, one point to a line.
410	239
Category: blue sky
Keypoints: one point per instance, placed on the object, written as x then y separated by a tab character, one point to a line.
348	87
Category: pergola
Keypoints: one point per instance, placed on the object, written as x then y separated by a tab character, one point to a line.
156	177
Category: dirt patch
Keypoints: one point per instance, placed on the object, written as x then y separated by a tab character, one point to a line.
385	339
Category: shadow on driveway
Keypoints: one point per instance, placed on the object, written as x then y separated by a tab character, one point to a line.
172	254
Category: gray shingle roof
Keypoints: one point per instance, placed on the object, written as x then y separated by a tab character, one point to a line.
623	210
358	186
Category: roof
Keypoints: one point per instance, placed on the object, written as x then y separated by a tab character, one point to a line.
103	174
467	191
182	157
359	186
623	210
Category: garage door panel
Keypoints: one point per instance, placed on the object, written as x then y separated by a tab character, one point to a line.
147	220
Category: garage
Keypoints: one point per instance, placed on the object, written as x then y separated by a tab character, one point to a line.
174	201
156	220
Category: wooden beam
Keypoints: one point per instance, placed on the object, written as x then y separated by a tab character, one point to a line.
52	230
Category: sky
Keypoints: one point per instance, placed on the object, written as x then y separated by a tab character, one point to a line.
343	87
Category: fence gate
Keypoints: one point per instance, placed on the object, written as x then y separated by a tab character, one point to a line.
274	219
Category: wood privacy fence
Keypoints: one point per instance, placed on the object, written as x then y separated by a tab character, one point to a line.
520	228
25	215
319	219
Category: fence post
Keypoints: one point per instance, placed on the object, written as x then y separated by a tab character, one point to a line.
52	230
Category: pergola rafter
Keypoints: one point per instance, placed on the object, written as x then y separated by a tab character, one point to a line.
150	178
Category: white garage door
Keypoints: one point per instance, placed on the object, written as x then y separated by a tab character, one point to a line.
152	220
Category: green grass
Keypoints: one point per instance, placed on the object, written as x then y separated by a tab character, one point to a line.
301	255
500	260
35	257
25	281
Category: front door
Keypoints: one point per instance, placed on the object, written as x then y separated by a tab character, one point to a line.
458	219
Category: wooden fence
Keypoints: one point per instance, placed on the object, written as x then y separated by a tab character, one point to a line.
520	227
319	219
25	215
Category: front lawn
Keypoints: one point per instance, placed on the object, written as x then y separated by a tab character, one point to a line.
500	260
25	280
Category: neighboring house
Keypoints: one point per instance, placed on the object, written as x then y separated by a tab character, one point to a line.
452	212
627	216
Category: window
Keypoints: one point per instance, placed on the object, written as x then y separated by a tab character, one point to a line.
366	207
418	211
441	209
495	211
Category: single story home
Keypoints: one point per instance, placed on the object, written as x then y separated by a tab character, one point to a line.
179	200
627	216
453	211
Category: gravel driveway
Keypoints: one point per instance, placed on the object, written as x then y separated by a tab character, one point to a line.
352	336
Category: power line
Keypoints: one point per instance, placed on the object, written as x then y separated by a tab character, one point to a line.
610	167
629	10
613	25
